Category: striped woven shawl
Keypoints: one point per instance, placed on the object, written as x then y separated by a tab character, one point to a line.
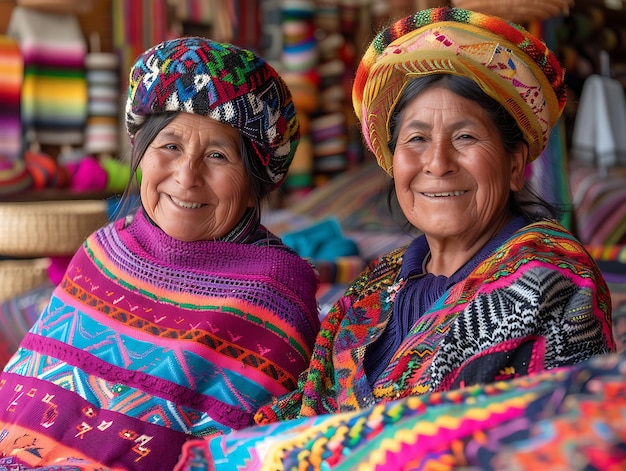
538	302
148	341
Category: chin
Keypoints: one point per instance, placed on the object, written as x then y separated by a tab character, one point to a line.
182	235
188	239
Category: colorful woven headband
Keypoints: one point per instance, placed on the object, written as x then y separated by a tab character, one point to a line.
224	82
510	65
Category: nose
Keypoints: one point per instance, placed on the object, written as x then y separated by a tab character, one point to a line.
188	172
440	158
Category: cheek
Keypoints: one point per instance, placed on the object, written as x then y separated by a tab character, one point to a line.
147	176
491	172
146	194
403	186
234	186
493	192
404	193
154	169
146	170
404	169
151	175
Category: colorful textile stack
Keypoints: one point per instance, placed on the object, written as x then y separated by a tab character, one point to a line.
328	133
214	18
17	314
199	12
328	127
323	240
11	78
271	40
571	418
54	91
299	58
101	131
246	22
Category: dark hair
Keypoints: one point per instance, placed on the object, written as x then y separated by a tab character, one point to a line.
256	173
525	202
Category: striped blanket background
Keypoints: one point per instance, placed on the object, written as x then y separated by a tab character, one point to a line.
599	205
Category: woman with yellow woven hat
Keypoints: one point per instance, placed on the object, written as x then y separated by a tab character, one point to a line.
446	353
455	105
485	343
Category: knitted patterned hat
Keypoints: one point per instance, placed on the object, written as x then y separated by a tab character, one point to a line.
224	82
510	65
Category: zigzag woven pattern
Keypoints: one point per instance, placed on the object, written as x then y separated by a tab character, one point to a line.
569	418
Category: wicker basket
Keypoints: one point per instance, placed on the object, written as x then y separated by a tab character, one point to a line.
518	11
19	276
47	228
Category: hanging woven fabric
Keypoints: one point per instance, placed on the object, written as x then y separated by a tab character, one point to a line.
54	90
10	90
102	72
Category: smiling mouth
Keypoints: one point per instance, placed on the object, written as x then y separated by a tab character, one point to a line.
185	204
446	193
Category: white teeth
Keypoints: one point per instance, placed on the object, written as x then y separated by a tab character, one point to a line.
450	193
186	204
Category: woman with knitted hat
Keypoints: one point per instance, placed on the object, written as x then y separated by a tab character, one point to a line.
455	105
182	318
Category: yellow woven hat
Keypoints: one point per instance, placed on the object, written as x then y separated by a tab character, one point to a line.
508	63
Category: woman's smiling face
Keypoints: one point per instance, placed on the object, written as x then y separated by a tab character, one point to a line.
452	175
193	181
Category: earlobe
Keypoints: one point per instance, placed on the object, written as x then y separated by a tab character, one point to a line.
518	167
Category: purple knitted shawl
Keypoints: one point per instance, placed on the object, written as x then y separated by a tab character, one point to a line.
148	341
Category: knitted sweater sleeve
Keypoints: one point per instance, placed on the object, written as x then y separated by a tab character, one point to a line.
545	317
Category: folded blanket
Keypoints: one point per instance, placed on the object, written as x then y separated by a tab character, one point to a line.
323	240
571	418
54	91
